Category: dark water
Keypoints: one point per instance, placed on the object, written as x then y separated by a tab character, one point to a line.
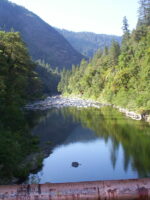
91	144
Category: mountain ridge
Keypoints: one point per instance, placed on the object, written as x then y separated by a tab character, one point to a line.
43	41
87	43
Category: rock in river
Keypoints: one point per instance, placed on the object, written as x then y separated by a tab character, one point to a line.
75	164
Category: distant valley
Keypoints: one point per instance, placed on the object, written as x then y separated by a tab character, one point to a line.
88	43
43	41
51	47
59	48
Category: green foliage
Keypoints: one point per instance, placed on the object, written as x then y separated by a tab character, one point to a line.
144	13
125	27
120	76
50	77
16	144
16	71
18	84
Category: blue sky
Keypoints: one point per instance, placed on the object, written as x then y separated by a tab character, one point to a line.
99	16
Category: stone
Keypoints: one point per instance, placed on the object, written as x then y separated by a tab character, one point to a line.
75	164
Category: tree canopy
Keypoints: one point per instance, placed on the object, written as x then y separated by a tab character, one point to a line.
19	84
118	75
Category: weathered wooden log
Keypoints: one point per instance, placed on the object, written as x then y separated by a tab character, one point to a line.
96	190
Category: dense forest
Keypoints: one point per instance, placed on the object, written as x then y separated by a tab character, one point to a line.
50	77
19	84
119	75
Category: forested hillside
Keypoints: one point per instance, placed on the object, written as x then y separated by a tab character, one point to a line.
88	43
120	74
43	41
50	77
19	84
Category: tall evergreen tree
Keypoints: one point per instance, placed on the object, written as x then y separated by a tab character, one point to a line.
126	35
114	53
144	13
125	26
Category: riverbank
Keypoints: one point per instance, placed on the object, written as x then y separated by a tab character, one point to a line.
60	101
133	114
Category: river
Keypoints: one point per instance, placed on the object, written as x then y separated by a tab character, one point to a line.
88	144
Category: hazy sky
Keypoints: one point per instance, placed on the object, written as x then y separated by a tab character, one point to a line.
99	16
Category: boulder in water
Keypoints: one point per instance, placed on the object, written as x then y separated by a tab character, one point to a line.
75	164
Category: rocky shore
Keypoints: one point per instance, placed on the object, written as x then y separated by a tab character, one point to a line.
59	102
133	114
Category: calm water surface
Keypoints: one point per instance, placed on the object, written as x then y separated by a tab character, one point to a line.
103	143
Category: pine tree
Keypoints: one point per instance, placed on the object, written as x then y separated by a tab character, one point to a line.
125	26
126	35
144	13
114	52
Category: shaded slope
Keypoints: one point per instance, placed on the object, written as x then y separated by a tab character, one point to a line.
88	43
44	42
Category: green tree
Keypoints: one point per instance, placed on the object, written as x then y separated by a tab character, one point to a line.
144	13
125	26
18	84
17	69
114	53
